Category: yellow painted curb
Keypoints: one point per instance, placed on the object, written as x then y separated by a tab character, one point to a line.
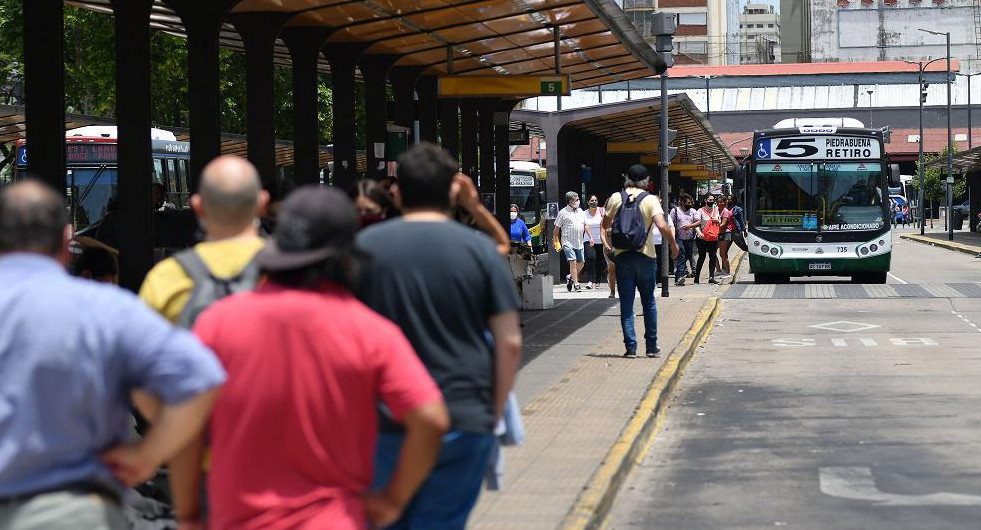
594	502
949	245
734	266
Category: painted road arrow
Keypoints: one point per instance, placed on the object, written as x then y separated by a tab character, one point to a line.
856	483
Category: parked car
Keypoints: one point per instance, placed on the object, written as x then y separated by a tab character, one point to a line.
964	208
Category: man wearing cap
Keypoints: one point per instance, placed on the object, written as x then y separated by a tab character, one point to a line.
638	269
294	430
451	293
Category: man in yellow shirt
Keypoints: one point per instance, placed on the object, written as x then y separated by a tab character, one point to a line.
228	205
637	269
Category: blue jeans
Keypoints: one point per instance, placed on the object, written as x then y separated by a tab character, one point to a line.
637	271
445	499
686	249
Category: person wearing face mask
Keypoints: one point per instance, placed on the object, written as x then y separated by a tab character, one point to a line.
373	203
570	233
593	245
519	230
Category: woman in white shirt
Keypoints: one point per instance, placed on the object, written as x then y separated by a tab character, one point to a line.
593	243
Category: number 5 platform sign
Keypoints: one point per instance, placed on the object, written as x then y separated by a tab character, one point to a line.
818	148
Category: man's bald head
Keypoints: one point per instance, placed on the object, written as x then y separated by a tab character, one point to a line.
32	219
230	192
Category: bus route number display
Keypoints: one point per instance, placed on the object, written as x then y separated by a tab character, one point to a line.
818	148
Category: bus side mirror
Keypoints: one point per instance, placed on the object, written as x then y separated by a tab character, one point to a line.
894	176
739	178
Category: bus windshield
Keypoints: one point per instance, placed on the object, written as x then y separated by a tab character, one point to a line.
91	189
819	196
526	197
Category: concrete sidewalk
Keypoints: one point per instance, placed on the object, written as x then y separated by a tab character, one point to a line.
964	240
577	393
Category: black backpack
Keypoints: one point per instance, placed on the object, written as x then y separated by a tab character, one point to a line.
208	288
629	231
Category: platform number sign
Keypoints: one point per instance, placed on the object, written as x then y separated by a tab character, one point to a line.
551	88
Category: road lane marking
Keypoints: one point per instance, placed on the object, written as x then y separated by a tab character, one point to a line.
966	321
898	279
845	326
857	483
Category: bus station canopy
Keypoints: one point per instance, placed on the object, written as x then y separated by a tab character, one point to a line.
598	44
638	121
12	128
964	162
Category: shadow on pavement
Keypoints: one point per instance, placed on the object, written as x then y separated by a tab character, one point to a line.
543	329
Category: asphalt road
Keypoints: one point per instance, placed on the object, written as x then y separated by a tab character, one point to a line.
827	412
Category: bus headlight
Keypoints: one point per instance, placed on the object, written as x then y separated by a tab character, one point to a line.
765	248
774	251
873	247
864	250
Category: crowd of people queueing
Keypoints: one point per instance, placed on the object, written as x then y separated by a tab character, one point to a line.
361	382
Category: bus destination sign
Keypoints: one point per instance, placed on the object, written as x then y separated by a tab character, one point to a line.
818	148
80	153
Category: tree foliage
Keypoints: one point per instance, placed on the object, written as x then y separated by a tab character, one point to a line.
934	178
90	85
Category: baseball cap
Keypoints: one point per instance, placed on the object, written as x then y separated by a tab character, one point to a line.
637	172
313	224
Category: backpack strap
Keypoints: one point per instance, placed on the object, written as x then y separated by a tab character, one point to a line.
199	273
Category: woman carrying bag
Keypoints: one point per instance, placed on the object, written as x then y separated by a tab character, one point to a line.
707	237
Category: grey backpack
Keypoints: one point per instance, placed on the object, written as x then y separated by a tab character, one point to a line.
209	288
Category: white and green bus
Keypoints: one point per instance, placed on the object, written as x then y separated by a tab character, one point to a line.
817	201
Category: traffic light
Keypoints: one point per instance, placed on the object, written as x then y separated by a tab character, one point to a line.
923	92
669	152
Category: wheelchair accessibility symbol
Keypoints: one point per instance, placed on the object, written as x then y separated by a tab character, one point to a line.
763	151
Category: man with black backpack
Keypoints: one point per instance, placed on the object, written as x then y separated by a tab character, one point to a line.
629	217
228	205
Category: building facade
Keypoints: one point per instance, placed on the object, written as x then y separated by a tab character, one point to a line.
707	29
882	30
759	35
795	39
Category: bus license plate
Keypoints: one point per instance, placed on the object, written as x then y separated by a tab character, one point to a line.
819	266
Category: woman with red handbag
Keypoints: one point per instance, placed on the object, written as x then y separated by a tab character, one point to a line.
707	234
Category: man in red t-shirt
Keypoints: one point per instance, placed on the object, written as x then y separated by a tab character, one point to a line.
293	432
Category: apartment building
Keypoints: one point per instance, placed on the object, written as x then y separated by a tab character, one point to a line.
707	29
759	35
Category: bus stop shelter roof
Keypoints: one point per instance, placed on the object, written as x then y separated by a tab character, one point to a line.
638	121
598	43
964	162
12	128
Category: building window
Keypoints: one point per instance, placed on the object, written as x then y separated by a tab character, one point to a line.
769	25
693	47
692	19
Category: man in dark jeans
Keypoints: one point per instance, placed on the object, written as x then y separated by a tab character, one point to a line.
637	269
451	293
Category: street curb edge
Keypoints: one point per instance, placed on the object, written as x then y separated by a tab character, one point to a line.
593	504
949	245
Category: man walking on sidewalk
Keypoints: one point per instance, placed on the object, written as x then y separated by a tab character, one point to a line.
453	297
570	234
637	267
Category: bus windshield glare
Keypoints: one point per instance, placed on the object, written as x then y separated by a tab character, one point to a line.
839	196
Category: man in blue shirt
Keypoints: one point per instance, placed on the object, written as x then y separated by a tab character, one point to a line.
72	352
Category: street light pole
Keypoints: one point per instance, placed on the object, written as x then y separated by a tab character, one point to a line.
919	166
869	92
950	141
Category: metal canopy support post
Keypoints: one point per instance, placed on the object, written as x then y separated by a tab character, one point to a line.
919	166
44	77
557	42
404	82
665	161
132	25
950	152
502	159
304	45
469	125
449	115
343	61
203	21
374	72
427	86
487	109
259	31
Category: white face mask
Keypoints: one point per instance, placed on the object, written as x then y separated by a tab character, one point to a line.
514	215
575	204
